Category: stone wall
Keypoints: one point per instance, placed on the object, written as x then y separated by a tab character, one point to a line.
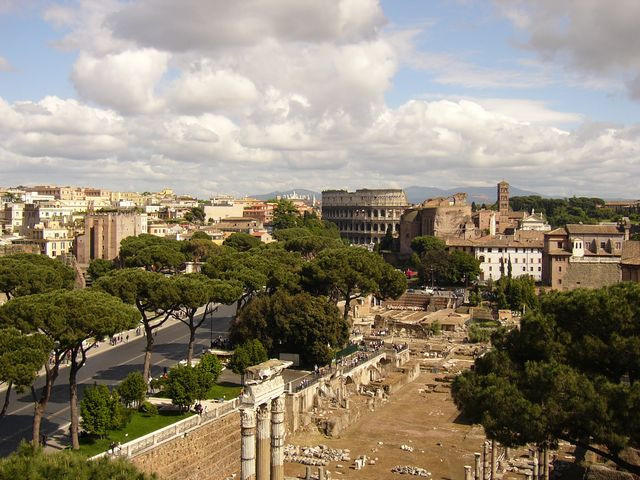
210	452
591	275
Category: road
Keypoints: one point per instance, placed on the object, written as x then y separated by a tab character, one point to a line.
108	368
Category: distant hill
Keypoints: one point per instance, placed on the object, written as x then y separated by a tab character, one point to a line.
479	195
416	194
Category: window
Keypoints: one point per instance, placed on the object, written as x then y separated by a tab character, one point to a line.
499	250
539	269
559	281
490	268
603	245
560	268
524	269
515	260
531	269
618	245
559	244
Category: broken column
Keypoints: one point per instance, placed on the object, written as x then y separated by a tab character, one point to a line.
545	455
248	446
477	471
535	463
467	473
277	438
263	457
485	461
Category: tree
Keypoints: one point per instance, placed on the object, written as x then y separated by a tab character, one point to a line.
210	363
74	320
199	249
350	272
153	294
151	252
518	294
427	243
241	242
21	358
571	372
133	389
466	267
31	462
196	214
250	352
285	215
309	326
101	410
99	267
187	384
26	274
195	290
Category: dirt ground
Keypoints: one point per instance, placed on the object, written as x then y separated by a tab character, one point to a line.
424	421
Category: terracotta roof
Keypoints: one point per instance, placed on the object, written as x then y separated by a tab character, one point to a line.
579	229
496	241
631	252
557	231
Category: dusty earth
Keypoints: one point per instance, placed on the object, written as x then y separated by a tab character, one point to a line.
425	421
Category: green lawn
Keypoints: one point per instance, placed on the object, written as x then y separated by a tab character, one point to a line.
226	390
140	425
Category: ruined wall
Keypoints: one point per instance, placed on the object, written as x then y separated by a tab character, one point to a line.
591	275
211	452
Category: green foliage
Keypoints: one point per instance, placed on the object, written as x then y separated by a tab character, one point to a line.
153	253
22	356
211	364
517	294
99	267
101	410
301	323
251	352
26	274
285	215
477	334
349	272
426	244
33	463
199	249
448	268
572	371
435	328
196	214
559	212
132	389
187	384
148	408
241	242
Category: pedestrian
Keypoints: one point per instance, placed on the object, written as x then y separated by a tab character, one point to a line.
44	440
127	338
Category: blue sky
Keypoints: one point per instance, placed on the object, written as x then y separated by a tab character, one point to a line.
209	98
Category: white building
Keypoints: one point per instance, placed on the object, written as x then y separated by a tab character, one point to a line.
522	250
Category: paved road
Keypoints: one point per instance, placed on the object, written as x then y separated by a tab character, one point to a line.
107	368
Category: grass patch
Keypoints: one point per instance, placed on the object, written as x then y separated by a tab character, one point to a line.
140	424
226	390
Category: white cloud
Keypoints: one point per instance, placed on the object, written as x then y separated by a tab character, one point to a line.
5	66
125	81
591	36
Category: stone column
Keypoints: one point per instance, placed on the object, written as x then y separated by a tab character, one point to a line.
467	473
485	461
493	459
248	448
535	463
545	455
540	463
263	460
477	471
277	438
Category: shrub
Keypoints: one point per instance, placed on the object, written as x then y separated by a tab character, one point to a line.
148	408
187	384
210	363
101	410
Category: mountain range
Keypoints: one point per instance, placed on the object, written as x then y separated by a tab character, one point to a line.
417	194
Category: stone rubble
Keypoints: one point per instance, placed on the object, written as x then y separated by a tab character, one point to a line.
318	456
410	470
406	448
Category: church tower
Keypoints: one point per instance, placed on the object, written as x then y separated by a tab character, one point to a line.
503	206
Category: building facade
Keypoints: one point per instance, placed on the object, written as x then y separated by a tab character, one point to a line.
364	216
442	217
579	255
103	233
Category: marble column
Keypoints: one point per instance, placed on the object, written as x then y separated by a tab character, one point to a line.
477	470
263	457
545	455
467	473
535	463
248	447
485	461
494	454
277	438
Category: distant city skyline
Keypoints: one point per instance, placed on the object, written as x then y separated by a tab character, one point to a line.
207	97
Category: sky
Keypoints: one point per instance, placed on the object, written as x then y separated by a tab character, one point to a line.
252	96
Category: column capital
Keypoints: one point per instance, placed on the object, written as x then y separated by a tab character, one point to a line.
277	404
248	417
263	411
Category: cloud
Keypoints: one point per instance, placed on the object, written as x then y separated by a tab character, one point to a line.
218	24
124	81
5	66
590	36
